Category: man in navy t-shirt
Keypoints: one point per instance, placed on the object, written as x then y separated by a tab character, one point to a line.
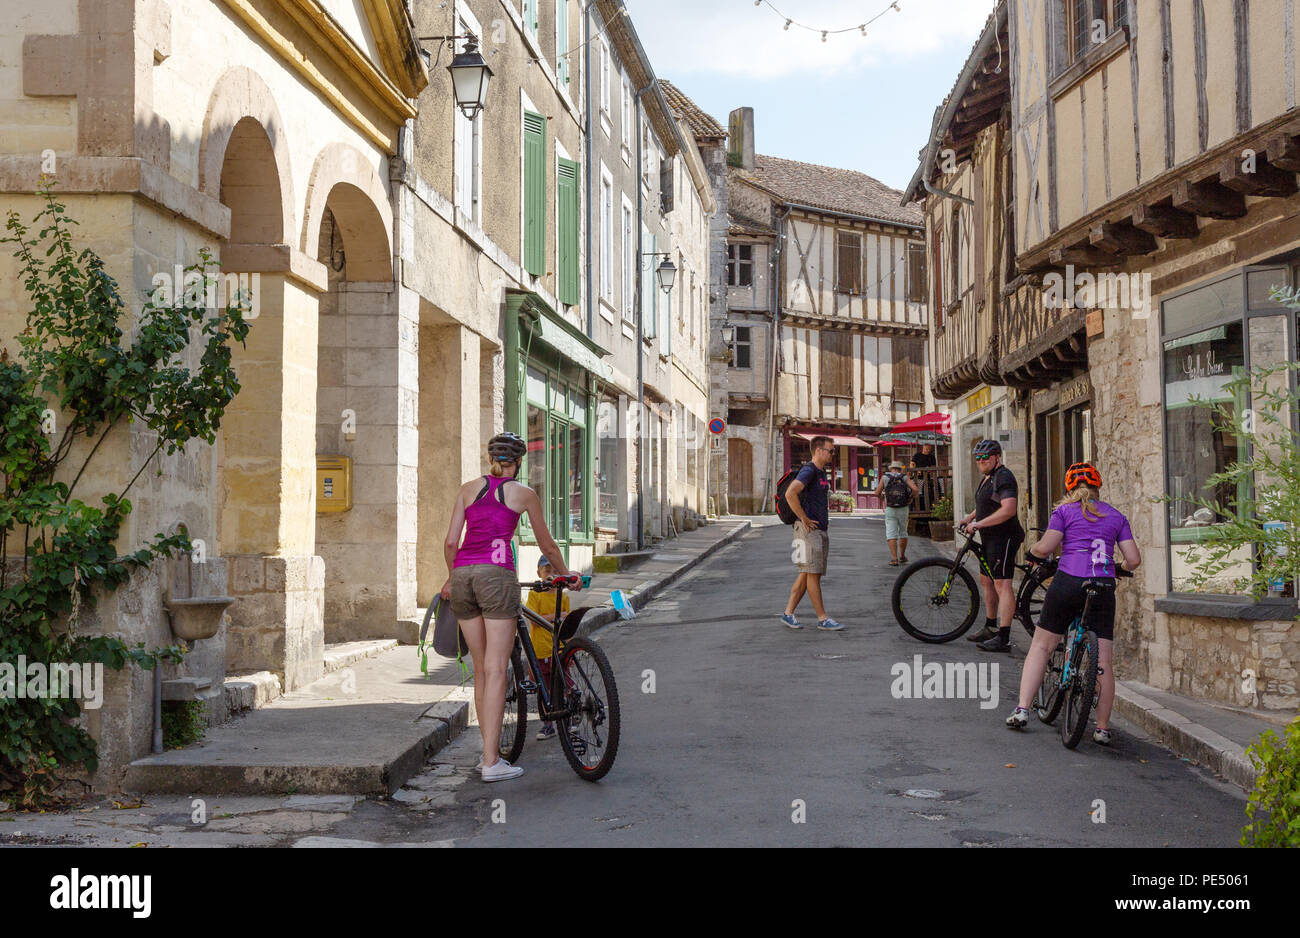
809	497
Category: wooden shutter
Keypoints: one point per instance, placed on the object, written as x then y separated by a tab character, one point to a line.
566	182
836	363
848	262
667	188
534	193
908	379
916	272
977	248
562	42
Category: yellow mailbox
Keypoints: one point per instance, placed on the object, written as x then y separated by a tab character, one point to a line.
333	483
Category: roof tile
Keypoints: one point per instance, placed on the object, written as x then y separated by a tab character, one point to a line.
837	190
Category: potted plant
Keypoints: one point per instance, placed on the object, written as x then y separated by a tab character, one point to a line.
941	521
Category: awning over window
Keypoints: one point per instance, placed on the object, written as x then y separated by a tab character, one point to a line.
557	333
837	440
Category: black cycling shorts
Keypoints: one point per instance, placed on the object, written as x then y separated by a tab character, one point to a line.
1064	601
1000	554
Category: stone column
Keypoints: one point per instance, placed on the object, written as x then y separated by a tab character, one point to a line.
451	450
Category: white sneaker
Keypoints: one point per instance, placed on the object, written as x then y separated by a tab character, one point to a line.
499	771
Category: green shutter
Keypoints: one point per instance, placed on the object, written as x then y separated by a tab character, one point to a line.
534	193
566	182
562	42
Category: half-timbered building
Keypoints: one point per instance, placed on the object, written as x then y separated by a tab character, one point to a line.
826	317
1155	206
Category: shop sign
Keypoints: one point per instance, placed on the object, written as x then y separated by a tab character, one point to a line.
1076	390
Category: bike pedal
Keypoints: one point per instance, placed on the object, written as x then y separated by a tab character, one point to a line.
529	685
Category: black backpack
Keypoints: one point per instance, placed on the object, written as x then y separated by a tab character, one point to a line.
897	492
783	509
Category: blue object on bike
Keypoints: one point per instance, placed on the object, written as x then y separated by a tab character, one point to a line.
621	605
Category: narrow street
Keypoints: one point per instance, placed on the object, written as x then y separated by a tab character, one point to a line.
748	716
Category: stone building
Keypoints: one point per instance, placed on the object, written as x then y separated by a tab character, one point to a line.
263	131
1155	152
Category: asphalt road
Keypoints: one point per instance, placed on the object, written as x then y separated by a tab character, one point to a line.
756	735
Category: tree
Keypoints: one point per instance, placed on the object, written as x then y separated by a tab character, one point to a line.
76	363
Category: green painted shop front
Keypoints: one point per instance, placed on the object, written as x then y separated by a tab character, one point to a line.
553	379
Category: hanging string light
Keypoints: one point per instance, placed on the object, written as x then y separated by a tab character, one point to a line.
861	27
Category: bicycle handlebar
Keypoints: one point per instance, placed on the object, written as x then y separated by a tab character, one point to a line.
573	582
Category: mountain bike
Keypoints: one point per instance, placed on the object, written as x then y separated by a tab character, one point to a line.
580	698
1070	680
936	600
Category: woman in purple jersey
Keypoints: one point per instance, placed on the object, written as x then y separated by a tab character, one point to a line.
483	586
1087	530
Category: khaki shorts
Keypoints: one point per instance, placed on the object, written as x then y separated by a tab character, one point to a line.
810	549
484	589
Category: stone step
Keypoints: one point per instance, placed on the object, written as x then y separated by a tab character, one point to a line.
249	690
342	654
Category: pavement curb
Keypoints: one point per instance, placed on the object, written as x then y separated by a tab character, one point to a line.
445	720
1186	738
639	597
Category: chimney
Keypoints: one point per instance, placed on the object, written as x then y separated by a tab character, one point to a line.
740	138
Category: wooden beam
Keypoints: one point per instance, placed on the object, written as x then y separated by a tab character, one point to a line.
1121	239
1260	179
1165	221
1082	255
1283	148
1208	199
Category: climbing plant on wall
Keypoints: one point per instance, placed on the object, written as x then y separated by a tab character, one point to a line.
83	370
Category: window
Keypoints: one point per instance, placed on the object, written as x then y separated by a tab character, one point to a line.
566	234
742	348
649	287
848	262
954	258
836	363
561	42
647	155
530	17
627	120
1212	334
606	237
606	467
577	497
740	265
908	371
604	80
467	139
629	264
534	202
1090	23
915	272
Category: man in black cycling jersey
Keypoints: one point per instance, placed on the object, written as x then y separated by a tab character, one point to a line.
1001	535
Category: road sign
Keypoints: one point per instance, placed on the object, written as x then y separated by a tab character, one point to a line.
717	425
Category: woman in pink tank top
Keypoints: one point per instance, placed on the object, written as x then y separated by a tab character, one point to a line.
483	586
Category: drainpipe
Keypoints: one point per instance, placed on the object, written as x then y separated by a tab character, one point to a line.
640	330
586	72
933	190
769	488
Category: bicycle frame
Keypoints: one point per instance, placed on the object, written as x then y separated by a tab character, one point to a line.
1074	635
545	697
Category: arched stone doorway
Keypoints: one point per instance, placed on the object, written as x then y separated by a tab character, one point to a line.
366	404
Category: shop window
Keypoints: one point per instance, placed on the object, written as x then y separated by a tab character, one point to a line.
606	467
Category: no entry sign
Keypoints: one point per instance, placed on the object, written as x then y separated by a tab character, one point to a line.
717	425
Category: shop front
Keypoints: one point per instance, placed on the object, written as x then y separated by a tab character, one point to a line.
1062	434
853	464
554	376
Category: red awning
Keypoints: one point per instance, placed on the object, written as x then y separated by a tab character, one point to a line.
837	440
936	422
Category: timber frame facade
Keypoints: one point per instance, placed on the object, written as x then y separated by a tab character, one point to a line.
1156	152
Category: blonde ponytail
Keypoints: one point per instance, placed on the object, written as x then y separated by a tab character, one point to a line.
1088	496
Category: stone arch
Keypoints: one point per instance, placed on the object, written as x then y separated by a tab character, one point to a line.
343	181
241	93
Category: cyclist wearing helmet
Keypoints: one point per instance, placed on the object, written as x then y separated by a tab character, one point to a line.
1001	536
1087	530
483	586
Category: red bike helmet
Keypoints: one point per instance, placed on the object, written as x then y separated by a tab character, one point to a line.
1082	473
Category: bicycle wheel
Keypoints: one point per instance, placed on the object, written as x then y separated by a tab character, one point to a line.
1048	700
589	737
514	725
925	610
1083	685
1029	601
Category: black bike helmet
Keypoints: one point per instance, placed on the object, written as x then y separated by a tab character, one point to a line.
507	447
987	448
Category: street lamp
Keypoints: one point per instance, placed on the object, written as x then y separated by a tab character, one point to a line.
469	73
665	272
728	333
